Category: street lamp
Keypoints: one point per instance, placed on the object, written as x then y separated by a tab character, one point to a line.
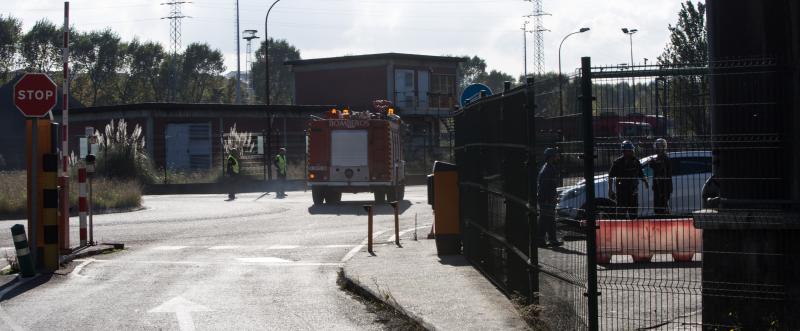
630	33
266	51
560	82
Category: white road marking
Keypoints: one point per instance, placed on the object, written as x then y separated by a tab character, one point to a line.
169	248
337	246
183	310
267	259
78	268
283	247
223	247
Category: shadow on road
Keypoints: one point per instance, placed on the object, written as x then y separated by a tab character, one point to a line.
453	260
356	208
24	287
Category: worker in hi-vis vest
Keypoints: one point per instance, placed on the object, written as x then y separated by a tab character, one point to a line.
280	165
233	172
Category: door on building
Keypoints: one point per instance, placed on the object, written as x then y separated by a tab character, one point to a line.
188	146
404	88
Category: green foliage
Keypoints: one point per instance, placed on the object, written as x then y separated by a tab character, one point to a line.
280	78
688	42
10	34
106	70
200	66
40	47
473	71
122	154
687	46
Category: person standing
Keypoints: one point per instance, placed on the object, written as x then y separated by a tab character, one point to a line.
547	197
233	172
624	176
662	177
280	165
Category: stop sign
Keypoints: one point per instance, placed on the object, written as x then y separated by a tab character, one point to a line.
35	95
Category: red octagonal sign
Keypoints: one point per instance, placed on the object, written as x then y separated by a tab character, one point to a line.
35	95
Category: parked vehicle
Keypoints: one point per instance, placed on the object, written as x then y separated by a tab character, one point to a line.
356	152
690	171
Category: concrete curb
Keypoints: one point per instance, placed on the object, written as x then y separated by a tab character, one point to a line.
365	291
91	251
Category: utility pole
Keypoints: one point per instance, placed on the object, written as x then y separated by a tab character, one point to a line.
249	35
175	17
525	32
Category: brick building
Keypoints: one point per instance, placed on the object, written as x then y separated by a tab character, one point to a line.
423	89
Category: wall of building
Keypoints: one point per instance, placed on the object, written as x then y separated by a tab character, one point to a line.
354	87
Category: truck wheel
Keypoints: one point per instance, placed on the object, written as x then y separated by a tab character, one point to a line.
317	195
396	193
380	196
333	197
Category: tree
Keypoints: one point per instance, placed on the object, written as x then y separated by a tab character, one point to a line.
687	42
495	80
471	71
103	64
10	33
688	46
140	64
41	47
200	66
280	78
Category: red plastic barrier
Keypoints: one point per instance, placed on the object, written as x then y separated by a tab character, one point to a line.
642	238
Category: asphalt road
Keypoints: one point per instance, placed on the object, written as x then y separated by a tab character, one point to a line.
197	262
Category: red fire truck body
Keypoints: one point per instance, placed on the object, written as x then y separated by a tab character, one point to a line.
358	153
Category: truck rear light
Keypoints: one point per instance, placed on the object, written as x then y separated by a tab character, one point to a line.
311	176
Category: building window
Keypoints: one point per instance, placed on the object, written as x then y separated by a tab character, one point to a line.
442	92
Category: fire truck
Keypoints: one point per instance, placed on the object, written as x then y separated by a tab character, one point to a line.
356	152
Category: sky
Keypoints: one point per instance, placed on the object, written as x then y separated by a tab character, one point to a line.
490	29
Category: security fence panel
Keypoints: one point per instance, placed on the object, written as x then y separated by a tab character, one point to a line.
492	151
662	220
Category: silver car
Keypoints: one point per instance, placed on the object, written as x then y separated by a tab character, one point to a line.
690	170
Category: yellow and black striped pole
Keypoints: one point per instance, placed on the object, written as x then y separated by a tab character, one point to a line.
49	214
23	251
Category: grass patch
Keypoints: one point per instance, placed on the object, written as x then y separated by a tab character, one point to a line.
108	194
391	318
13	193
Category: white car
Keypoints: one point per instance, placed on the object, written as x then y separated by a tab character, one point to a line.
690	170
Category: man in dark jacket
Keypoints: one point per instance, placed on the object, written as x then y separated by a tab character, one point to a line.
548	180
624	176
662	177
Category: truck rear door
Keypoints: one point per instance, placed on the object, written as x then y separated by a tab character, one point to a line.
349	155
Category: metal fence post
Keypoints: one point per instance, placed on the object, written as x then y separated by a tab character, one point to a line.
588	174
533	250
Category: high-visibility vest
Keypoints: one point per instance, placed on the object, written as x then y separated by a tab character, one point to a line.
280	160
235	166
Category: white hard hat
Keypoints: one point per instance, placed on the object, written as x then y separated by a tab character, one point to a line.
660	143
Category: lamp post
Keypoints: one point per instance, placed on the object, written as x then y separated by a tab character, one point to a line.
560	81
630	33
266	51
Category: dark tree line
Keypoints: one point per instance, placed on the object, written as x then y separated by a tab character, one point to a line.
105	70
